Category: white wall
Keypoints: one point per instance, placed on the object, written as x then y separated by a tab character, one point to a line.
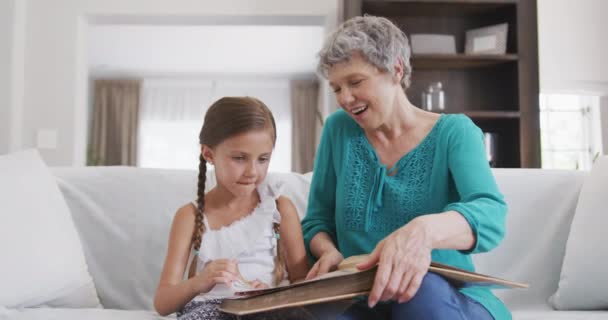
573	46
6	40
604	122
205	49
55	73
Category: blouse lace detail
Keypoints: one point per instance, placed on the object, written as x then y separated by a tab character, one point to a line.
380	202
358	182
406	193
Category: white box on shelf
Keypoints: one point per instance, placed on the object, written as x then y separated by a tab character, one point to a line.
433	44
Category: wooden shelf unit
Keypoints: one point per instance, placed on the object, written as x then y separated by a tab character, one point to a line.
498	92
492	114
458	61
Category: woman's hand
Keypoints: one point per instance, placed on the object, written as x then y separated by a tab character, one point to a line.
328	261
403	259
215	272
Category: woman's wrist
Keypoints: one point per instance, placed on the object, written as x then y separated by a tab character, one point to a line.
446	230
425	226
321	244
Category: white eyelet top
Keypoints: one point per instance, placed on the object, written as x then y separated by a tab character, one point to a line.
250	240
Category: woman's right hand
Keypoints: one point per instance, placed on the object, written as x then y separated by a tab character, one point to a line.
215	272
328	261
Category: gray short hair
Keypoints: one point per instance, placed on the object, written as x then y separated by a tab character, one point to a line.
379	41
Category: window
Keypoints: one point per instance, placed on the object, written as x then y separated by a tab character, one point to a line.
172	114
570	131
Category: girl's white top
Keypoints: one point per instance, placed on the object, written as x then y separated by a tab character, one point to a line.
250	240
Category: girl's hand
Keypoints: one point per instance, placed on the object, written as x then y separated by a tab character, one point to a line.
403	260
257	284
215	272
329	261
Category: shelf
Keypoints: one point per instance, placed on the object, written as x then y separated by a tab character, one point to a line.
499	92
435	8
459	61
492	114
488	115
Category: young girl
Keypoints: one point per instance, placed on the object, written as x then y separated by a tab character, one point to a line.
235	233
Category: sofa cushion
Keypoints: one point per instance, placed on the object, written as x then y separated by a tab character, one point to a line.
79	314
541	205
42	258
583	283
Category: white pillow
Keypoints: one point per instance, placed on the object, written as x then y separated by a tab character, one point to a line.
294	186
583	283
42	259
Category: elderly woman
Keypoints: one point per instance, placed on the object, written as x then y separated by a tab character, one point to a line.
401	184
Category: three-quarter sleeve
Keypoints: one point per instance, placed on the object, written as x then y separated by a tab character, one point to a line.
320	214
480	201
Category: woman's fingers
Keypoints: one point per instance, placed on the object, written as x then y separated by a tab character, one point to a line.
380	281
372	259
398	273
324	267
412	288
313	271
405	282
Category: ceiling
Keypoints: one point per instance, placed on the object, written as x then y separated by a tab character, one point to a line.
203	49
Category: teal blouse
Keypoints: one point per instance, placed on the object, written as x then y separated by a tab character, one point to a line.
358	202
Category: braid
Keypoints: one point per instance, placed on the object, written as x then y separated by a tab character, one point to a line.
199	227
279	263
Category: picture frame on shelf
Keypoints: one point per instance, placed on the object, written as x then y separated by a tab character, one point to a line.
487	40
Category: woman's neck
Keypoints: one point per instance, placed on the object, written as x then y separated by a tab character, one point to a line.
403	119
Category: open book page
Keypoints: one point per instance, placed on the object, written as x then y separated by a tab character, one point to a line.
337	286
248	291
348	267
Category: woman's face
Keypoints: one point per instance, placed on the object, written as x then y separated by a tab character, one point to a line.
365	92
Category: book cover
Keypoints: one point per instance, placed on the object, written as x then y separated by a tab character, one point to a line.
344	283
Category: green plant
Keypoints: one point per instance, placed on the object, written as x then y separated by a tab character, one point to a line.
595	157
92	160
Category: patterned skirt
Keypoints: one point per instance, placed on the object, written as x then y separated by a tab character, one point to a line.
208	310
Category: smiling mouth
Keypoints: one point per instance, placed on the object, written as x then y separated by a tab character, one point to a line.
359	110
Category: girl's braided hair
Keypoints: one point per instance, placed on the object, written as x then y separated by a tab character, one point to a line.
228	117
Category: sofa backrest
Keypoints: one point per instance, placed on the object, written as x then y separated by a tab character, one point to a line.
124	214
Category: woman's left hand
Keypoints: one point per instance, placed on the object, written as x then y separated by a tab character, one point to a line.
403	260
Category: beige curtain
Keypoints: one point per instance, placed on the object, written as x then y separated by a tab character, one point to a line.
115	118
307	123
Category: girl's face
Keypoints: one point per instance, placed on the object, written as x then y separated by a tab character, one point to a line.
366	93
241	162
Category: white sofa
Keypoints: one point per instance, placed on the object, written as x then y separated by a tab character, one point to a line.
123	217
